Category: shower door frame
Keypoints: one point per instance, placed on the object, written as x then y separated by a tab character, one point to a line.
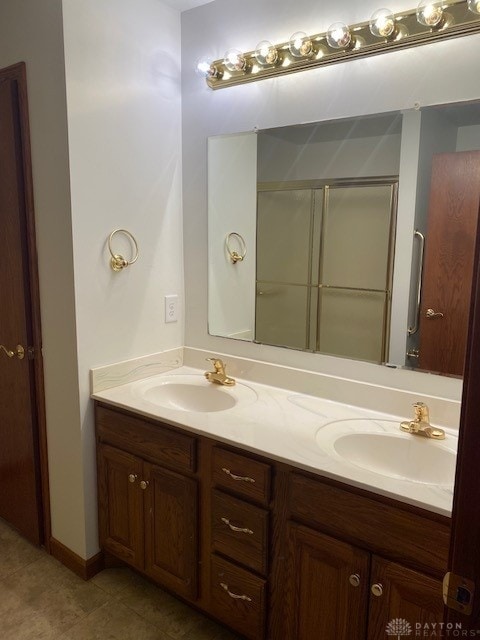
324	184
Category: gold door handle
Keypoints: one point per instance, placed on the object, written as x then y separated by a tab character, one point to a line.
144	484
377	589
19	351
430	313
132	477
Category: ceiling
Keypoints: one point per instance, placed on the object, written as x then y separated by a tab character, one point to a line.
183	5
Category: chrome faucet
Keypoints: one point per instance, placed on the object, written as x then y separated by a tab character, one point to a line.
420	425
218	376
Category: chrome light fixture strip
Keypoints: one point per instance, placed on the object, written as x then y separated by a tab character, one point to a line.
458	21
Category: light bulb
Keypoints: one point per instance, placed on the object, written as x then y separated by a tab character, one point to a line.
300	45
430	13
382	23
234	60
266	53
206	68
474	6
339	36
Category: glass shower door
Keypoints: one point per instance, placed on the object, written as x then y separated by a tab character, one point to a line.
355	271
284	267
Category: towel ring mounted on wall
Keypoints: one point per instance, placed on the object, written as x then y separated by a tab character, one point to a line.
117	261
235	256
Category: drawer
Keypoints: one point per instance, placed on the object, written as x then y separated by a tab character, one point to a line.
401	535
244	476
237	597
240	531
150	440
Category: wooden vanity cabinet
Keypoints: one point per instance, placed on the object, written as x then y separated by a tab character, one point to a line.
271	551
148	512
333	585
340	588
240	549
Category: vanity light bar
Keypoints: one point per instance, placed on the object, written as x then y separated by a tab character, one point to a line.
432	20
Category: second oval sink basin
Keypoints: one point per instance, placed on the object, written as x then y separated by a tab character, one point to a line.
190	392
412	458
380	447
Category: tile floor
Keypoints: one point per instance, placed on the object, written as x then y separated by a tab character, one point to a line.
42	600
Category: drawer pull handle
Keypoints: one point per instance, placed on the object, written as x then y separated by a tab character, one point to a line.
235	596
144	484
234	528
377	589
132	477
234	477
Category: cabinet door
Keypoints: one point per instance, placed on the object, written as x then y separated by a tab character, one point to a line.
323	601
120	504
402	599
171	530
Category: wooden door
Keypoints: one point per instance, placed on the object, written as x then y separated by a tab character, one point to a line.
327	587
171	526
402	600
449	254
120	504
464	558
21	378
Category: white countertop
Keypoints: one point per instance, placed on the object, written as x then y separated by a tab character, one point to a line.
285	426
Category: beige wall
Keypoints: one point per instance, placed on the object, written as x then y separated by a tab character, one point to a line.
32	32
104	93
122	62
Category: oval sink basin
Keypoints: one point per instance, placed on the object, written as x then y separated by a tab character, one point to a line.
189	397
380	447
185	392
413	459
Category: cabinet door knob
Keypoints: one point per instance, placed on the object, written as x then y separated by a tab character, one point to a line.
377	589
354	580
144	484
132	477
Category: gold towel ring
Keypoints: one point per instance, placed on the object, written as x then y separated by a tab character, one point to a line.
235	256
117	261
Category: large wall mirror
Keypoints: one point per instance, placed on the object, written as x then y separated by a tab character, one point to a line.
352	238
